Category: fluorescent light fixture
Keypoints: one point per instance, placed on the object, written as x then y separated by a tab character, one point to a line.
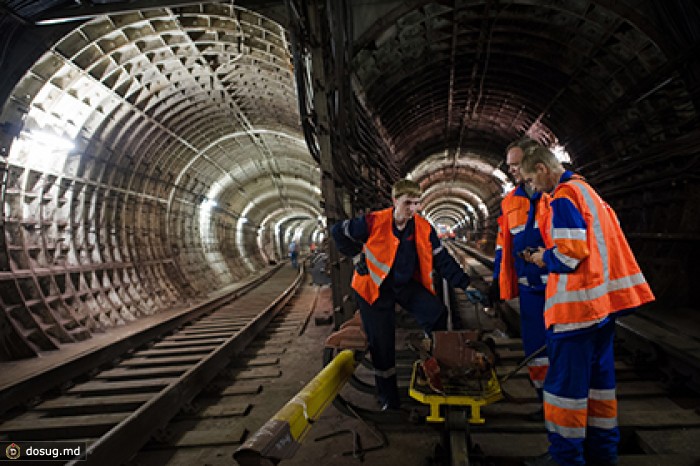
561	153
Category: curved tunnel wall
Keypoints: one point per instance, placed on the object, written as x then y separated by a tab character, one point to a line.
188	168
151	151
615	83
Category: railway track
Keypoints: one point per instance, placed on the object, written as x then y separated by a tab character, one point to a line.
659	420
659	417
659	412
115	410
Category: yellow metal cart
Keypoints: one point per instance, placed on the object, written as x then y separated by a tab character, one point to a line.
476	394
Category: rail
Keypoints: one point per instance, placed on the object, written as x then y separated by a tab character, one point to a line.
282	435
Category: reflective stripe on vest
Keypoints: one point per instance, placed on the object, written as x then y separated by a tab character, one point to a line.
380	251
507	278
589	293
512	222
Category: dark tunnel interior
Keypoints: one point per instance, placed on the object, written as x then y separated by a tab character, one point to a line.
156	152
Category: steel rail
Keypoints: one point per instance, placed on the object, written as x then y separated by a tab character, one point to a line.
33	386
126	438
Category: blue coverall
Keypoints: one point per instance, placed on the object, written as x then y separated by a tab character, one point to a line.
378	319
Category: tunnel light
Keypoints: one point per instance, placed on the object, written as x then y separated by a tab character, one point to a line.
243	220
49	141
561	153
41	149
505	182
208	204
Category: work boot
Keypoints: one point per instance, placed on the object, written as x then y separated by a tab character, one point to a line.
542	460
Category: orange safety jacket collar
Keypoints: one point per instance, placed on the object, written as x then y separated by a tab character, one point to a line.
608	279
380	251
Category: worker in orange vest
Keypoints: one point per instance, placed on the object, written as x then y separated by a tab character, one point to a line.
593	279
394	251
513	276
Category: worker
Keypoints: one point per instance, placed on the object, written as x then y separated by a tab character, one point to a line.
294	254
593	279
394	251
513	277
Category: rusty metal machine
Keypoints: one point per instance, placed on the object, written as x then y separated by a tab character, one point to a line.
455	376
458	372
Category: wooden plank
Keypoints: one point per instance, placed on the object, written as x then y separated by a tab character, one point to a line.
145	372
514	343
507	354
167	344
123	386
200	438
224	410
170	360
209	328
640	388
283	332
273	341
504	445
262	351
210	437
646	418
291	326
520	389
673	341
165	352
75	404
259	361
242	389
93	424
259	373
683	441
224	321
194	339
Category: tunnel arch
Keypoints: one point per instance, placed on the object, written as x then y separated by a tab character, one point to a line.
172	133
175	111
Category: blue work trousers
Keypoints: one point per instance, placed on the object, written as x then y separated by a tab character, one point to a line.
580	408
379	321
532	332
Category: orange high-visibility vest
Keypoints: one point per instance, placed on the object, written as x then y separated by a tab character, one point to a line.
380	251
607	278
514	214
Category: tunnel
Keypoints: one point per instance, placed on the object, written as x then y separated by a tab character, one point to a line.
156	152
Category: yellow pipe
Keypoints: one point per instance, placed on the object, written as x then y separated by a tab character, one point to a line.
281	436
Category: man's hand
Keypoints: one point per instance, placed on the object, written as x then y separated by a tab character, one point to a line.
475	296
360	264
536	257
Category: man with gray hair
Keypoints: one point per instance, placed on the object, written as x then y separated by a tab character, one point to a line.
394	251
593	279
513	277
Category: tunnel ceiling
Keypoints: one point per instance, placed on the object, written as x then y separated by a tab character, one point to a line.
460	80
152	157
448	81
154	150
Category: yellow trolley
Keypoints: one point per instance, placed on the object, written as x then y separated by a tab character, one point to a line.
484	393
